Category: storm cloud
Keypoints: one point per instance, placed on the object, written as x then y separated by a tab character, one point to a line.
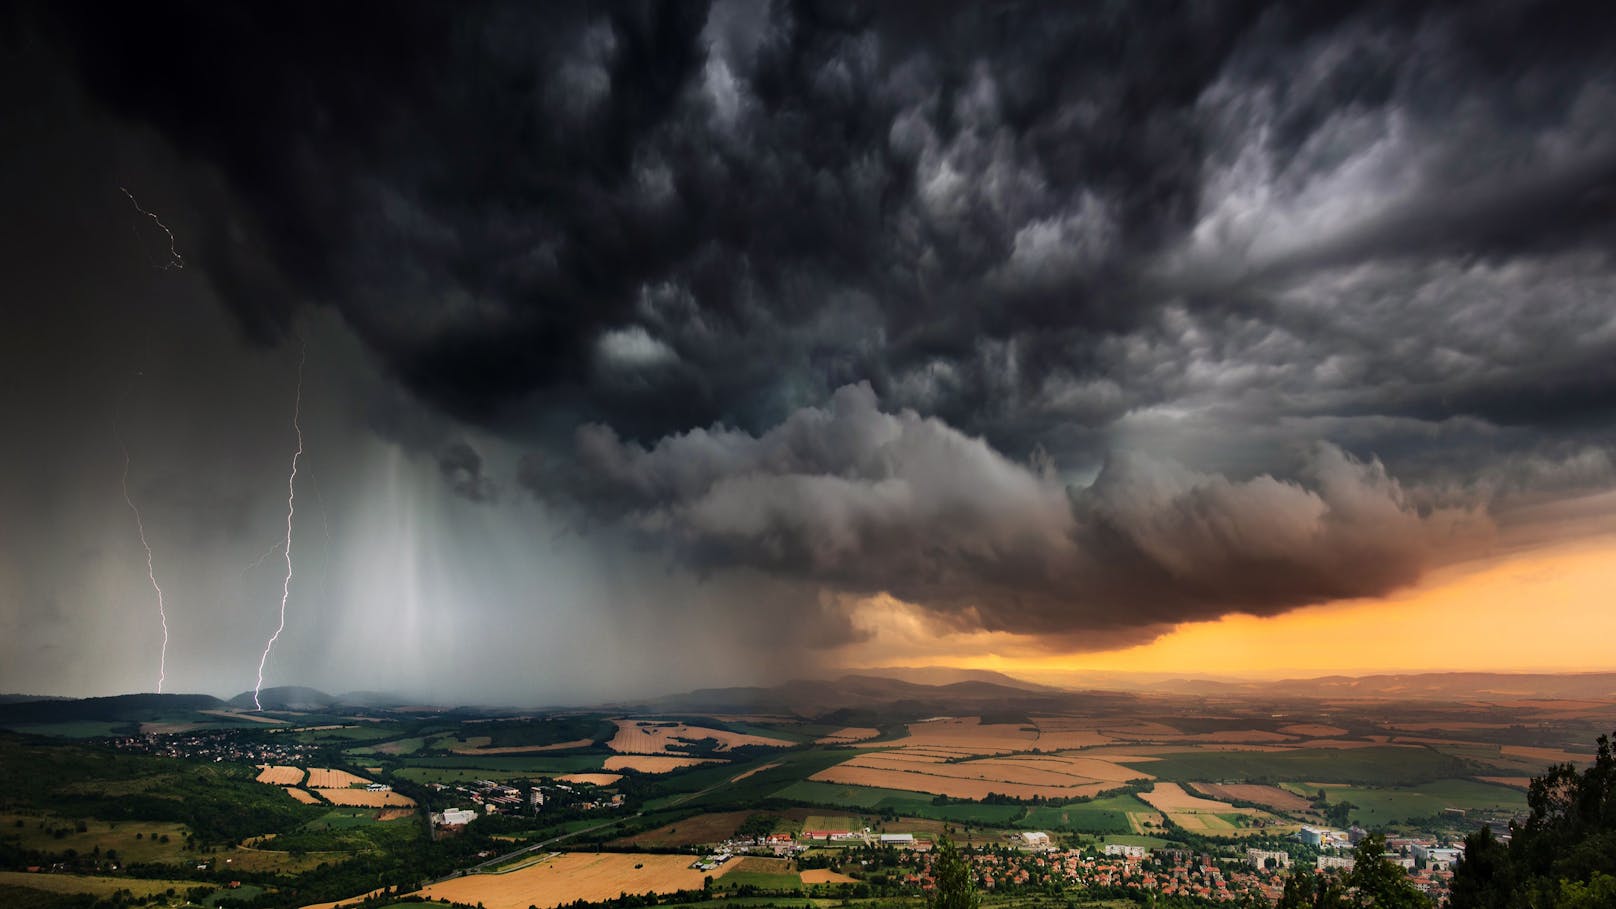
871	502
1070	320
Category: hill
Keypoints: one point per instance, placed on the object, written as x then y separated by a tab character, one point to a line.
285	697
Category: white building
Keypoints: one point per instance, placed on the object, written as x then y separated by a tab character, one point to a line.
1259	858
1124	850
456	816
1343	862
897	839
1437	857
1035	839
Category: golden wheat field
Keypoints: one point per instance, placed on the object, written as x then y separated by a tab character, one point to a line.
280	775
847	735
574	876
302	795
1171	797
952	786
593	779
327	778
651	737
652	763
826	876
364	798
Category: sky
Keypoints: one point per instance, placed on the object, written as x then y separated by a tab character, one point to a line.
639	347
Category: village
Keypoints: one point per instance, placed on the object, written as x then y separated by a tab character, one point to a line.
1035	860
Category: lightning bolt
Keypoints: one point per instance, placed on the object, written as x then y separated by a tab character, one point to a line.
260	560
175	260
291	508
151	572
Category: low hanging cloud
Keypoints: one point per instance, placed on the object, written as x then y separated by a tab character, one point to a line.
863	501
462	468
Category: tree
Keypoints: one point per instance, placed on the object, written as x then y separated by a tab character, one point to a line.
1379	883
1306	890
1564	852
956	887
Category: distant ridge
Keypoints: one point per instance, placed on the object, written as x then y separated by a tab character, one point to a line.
119	708
830	697
1411	686
285	697
947	675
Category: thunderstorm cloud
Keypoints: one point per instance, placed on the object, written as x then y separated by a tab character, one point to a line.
1077	321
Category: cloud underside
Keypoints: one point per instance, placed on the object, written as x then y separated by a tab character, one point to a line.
865	502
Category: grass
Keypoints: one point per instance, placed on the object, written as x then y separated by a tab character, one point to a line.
1379	807
1375	766
95	885
1130	839
83	729
738	879
391	749
835	823
1102	815
239	895
135	841
517	764
869	798
341	818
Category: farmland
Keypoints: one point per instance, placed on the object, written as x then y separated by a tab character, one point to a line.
96	885
325	778
364	798
653	737
1161	773
651	763
281	776
572	876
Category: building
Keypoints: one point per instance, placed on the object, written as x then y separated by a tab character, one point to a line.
1259	858
897	839
1034	839
1124	850
1436	857
1343	862
455	817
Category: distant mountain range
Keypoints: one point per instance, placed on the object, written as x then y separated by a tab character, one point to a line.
844	699
1413	686
947	675
854	699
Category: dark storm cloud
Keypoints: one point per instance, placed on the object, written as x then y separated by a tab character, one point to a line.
819	282
462	467
871	502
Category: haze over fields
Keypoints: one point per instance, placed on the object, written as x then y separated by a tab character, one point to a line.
645	348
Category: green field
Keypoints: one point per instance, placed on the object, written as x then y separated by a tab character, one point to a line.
97	885
513	764
83	729
839	823
911	803
1378	807
1377	766
390	749
340	818
763	881
135	841
1102	815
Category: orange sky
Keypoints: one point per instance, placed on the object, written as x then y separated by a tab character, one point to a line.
1543	609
